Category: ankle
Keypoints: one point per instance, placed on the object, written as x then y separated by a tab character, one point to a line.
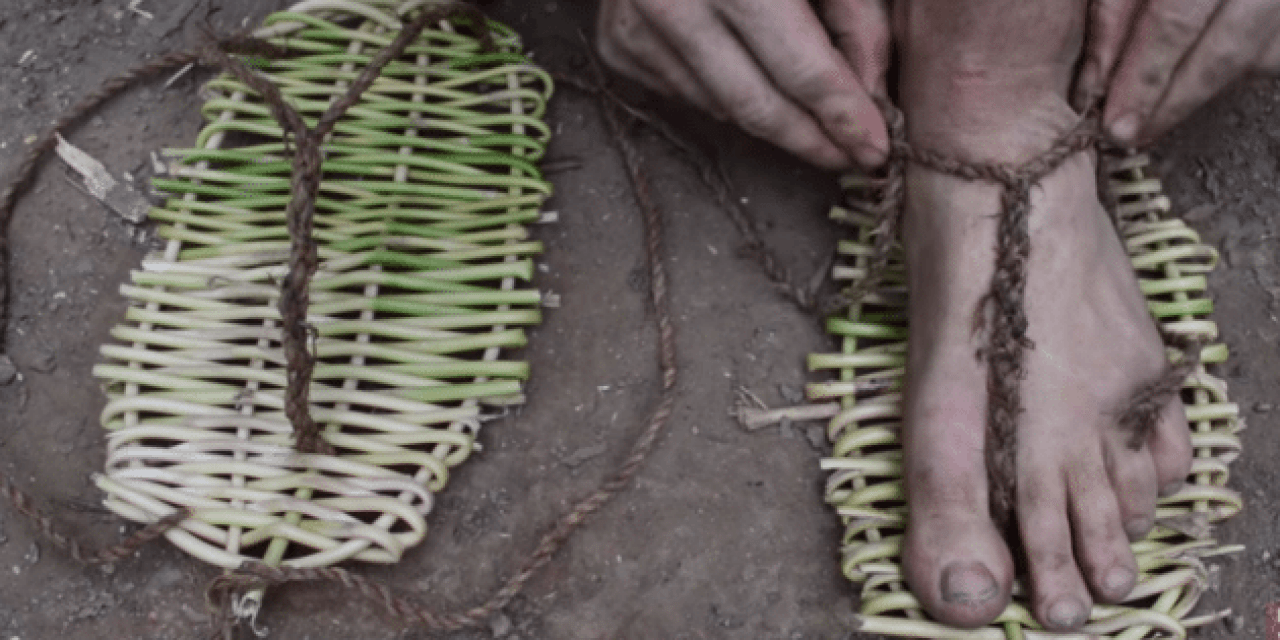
988	126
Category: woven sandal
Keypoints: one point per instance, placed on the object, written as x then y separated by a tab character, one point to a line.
424	264
865	485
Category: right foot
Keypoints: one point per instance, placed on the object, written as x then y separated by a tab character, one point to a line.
1082	493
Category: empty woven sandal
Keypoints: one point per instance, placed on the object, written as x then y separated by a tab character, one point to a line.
865	485
429	181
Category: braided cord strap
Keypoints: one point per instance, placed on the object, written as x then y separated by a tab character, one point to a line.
424	259
865	483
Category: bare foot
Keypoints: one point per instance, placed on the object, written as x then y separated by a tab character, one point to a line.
1082	493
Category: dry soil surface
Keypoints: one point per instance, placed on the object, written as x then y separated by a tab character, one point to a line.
724	534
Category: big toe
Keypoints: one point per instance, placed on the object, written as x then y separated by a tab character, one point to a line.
960	570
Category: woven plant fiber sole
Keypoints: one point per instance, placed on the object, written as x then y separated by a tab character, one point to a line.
865	484
428	184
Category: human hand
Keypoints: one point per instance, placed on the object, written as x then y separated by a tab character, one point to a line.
1171	56
767	65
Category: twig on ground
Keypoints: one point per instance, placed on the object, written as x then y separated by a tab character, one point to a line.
117	196
755	419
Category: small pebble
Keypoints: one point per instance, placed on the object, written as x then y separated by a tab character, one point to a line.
500	625
44	363
7	371
1214	581
1234	624
791	394
1200	213
584	454
785	430
817	436
193	616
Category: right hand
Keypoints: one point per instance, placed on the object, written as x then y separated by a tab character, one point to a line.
768	65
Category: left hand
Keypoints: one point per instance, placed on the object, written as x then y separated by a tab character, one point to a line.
1159	60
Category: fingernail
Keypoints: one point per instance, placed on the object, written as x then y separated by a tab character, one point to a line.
870	156
1066	613
968	583
1085	91
1171	488
860	141
1137	528
1125	128
1119	582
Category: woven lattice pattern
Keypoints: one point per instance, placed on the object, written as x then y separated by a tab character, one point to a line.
424	263
865	484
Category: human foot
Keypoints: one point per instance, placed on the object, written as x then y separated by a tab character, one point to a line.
1082	493
987	80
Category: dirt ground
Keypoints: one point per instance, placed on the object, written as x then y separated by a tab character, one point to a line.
724	534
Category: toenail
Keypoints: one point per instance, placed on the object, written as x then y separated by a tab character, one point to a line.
1119	582
1066	613
1137	528
968	583
1171	488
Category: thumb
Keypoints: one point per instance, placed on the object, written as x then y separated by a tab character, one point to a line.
861	32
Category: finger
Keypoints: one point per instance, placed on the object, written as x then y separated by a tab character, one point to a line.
1165	32
797	53
1109	22
617	26
657	63
625	65
1230	48
627	43
862	33
666	65
735	80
